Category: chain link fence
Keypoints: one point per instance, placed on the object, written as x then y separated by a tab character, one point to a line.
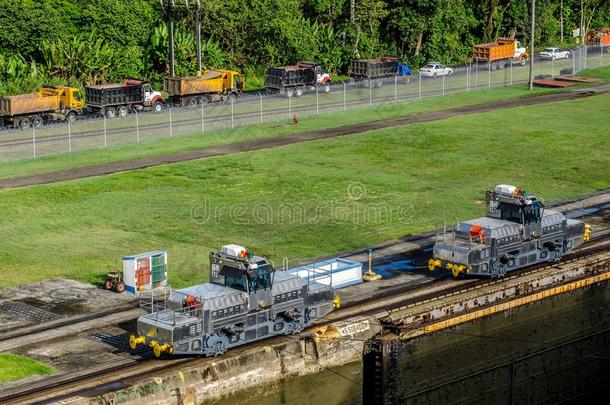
99	132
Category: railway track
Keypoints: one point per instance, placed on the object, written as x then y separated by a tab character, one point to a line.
117	373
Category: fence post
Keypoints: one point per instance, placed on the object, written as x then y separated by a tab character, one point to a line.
601	55
69	136
488	75
586	55
395	90
260	99
419	92
574	62
34	140
510	63
467	78
476	75
344	96
171	129
289	107
202	121
552	67
105	133
370	92
317	102
443	82
232	114
137	126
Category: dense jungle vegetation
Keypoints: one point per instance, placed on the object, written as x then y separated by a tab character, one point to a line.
95	41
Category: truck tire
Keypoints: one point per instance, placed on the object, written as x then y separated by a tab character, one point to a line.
25	123
158	107
192	102
326	88
289	92
523	61
298	91
71	117
36	121
110	112
123	111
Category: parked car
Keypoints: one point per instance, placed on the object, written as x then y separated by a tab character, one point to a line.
554	53
433	69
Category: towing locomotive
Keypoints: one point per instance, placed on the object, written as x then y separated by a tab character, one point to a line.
518	231
246	300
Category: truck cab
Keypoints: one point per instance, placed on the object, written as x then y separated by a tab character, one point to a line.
152	98
70	98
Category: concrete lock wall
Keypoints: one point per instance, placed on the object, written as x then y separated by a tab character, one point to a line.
243	368
553	349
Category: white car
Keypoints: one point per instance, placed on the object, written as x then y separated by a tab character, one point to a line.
433	69
554	53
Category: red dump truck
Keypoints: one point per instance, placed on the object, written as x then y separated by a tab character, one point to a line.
500	53
47	104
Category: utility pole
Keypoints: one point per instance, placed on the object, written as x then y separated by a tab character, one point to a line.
561	20
198	35
533	32
170	18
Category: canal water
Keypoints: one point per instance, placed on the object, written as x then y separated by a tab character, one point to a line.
425	362
333	386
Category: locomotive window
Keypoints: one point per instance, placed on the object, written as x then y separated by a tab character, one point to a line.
234	278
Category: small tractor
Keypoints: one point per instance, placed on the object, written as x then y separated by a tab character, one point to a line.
114	281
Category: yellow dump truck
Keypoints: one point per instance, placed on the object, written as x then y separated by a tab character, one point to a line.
47	104
210	86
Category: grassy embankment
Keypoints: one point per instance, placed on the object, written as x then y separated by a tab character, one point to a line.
254	132
14	367
303	200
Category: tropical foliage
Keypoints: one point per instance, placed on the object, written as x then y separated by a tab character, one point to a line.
93	41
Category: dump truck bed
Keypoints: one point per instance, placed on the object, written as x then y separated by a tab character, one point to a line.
374	68
210	82
115	94
301	74
493	51
28	104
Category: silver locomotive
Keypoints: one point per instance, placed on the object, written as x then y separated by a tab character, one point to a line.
247	300
518	231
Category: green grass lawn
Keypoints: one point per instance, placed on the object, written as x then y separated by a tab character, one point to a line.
304	200
14	367
253	132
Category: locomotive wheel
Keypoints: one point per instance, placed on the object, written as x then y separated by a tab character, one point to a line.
219	348
156	349
455	272
132	342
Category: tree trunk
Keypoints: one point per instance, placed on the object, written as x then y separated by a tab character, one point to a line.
493	5
419	42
